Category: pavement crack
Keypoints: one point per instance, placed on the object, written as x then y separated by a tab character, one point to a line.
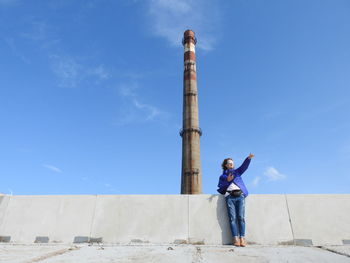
334	251
52	254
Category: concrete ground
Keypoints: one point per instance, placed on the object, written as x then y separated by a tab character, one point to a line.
51	253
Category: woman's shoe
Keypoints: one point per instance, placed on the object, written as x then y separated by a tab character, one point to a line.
236	242
243	242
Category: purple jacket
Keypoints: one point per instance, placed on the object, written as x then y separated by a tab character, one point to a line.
237	178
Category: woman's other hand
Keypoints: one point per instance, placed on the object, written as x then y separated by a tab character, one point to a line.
251	156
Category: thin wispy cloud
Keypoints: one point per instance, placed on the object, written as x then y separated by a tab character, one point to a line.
273	174
67	70
135	110
70	71
42	34
256	181
170	18
38	31
152	111
110	188
12	45
100	71
52	168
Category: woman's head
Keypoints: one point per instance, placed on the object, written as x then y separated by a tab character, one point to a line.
227	164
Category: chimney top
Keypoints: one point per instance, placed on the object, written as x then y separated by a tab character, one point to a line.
189	37
188	33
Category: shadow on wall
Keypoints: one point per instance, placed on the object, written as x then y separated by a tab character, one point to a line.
222	217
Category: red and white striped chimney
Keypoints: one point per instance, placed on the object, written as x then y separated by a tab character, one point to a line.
191	177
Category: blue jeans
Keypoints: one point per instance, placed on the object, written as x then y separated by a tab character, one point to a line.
235	210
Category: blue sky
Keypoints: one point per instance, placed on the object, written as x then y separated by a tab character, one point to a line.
91	94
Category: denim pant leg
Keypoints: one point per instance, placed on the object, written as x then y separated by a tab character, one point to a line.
240	211
231	211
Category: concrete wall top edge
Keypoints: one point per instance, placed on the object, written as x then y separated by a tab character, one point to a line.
72	195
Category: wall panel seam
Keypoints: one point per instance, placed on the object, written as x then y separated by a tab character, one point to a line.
290	220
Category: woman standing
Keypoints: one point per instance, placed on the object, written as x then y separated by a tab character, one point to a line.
232	186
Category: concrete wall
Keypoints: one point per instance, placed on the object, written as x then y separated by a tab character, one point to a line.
200	219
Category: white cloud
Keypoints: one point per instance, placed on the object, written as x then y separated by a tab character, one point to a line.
128	90
110	188
170	18
134	110
52	168
256	181
65	67
42	34
38	32
100	72
71	73
273	175
67	70
70	70
11	44
151	111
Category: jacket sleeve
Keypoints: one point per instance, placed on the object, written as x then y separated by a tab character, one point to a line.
243	167
223	184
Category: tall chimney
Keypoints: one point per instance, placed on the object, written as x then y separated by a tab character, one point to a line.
191	176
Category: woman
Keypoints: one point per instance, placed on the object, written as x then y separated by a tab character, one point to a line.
232	186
